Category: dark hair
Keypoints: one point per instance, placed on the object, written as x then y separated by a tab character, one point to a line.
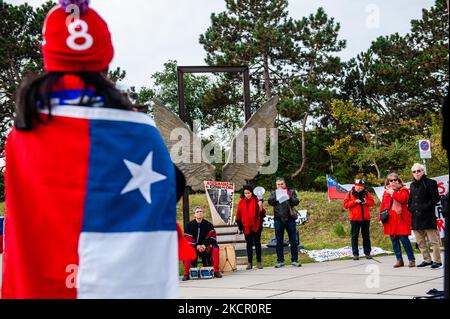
246	187
36	89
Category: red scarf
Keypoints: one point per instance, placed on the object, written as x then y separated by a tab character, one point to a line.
248	213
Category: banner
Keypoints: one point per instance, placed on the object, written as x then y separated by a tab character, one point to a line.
220	199
268	221
331	254
336	190
443	188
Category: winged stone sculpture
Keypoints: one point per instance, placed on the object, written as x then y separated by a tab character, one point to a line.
243	161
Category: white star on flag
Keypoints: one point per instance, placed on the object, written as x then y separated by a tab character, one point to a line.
143	176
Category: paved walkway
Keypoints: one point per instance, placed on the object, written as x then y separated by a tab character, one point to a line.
334	279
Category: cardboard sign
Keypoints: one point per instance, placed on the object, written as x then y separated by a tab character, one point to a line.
220	199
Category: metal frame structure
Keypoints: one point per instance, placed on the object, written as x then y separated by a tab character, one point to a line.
181	70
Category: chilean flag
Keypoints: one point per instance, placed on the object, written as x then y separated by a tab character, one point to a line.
91	208
335	190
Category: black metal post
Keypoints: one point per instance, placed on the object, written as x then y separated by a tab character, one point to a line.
183	117
247	109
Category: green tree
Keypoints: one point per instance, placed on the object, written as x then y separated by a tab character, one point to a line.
315	77
257	33
165	89
292	58
117	75
20	53
404	77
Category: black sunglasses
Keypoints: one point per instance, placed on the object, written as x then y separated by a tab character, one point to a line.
418	171
393	180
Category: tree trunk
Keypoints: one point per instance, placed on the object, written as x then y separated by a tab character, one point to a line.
267	91
303	148
378	170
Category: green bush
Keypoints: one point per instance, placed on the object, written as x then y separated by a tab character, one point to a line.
320	183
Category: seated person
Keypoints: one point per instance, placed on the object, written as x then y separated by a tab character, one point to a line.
202	236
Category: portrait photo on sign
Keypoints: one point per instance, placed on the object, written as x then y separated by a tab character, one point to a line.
220	198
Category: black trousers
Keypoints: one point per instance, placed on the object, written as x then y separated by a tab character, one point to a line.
254	238
364	226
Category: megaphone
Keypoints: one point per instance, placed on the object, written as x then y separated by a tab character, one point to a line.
259	192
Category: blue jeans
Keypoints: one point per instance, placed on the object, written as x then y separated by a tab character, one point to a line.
280	226
406	245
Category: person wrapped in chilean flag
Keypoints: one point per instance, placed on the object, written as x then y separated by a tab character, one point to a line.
201	234
91	188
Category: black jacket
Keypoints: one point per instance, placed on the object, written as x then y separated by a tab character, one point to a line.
201	234
423	197
281	210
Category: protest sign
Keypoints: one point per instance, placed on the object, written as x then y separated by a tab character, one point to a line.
220	199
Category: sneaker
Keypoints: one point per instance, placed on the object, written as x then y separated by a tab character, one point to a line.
185	278
436	265
424	264
279	265
355	257
296	264
260	266
217	274
369	257
412	263
249	266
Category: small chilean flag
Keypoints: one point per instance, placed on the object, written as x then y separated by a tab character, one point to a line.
335	190
91	208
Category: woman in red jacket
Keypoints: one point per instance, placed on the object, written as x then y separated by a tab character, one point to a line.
358	201
395	198
249	217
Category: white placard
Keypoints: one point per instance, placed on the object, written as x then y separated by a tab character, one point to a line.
282	195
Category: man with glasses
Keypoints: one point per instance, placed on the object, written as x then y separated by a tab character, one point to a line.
283	220
202	236
424	196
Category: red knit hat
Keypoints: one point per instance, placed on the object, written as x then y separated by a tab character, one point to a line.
360	182
76	44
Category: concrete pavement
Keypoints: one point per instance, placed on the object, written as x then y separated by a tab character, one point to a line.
349	279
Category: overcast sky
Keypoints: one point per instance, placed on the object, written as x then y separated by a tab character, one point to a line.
147	33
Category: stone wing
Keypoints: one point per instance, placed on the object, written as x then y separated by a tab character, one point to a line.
239	166
169	124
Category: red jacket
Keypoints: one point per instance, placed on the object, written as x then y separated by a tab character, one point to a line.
250	215
398	224
357	211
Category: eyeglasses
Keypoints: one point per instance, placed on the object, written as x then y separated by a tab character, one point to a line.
393	180
418	171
